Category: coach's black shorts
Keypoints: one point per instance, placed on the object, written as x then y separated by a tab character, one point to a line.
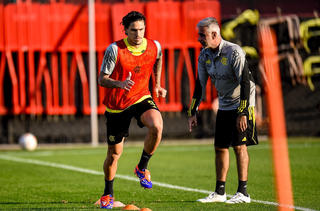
118	123
227	133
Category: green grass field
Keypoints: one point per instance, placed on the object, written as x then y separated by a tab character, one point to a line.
72	179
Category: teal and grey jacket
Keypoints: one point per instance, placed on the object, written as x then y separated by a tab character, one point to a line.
229	73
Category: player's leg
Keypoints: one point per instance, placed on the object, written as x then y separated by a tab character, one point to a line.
223	139
152	119
222	142
148	114
110	168
242	158
222	167
111	163
117	129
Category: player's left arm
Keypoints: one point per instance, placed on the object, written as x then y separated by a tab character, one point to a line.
157	73
242	71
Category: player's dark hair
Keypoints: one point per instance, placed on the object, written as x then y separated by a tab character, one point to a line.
132	17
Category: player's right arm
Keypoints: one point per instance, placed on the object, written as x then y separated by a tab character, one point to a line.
105	81
199	91
107	67
195	102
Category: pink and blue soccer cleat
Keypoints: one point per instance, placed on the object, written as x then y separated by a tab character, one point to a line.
144	176
106	202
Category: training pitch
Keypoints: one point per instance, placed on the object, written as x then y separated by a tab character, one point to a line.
71	177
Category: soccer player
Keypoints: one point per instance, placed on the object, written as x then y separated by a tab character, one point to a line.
226	65
125	72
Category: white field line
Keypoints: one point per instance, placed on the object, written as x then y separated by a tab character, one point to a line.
73	168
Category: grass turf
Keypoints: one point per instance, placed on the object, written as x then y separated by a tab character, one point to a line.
181	174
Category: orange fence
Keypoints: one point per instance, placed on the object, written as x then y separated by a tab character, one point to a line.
44	46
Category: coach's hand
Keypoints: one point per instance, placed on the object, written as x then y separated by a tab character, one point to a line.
128	83
241	123
192	121
160	91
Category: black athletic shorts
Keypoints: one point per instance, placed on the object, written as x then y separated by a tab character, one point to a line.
227	133
118	123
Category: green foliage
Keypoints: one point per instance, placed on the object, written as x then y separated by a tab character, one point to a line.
26	185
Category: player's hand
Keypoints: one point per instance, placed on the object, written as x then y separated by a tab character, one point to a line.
160	91
241	123
128	83
192	121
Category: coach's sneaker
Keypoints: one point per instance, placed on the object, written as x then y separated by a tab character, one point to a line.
144	176
106	202
239	198
213	197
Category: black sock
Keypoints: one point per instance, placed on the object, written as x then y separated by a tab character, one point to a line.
220	187
143	164
108	187
242	187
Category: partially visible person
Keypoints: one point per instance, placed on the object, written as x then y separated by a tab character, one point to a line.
125	73
226	65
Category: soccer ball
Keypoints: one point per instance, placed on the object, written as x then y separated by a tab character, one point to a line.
28	141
